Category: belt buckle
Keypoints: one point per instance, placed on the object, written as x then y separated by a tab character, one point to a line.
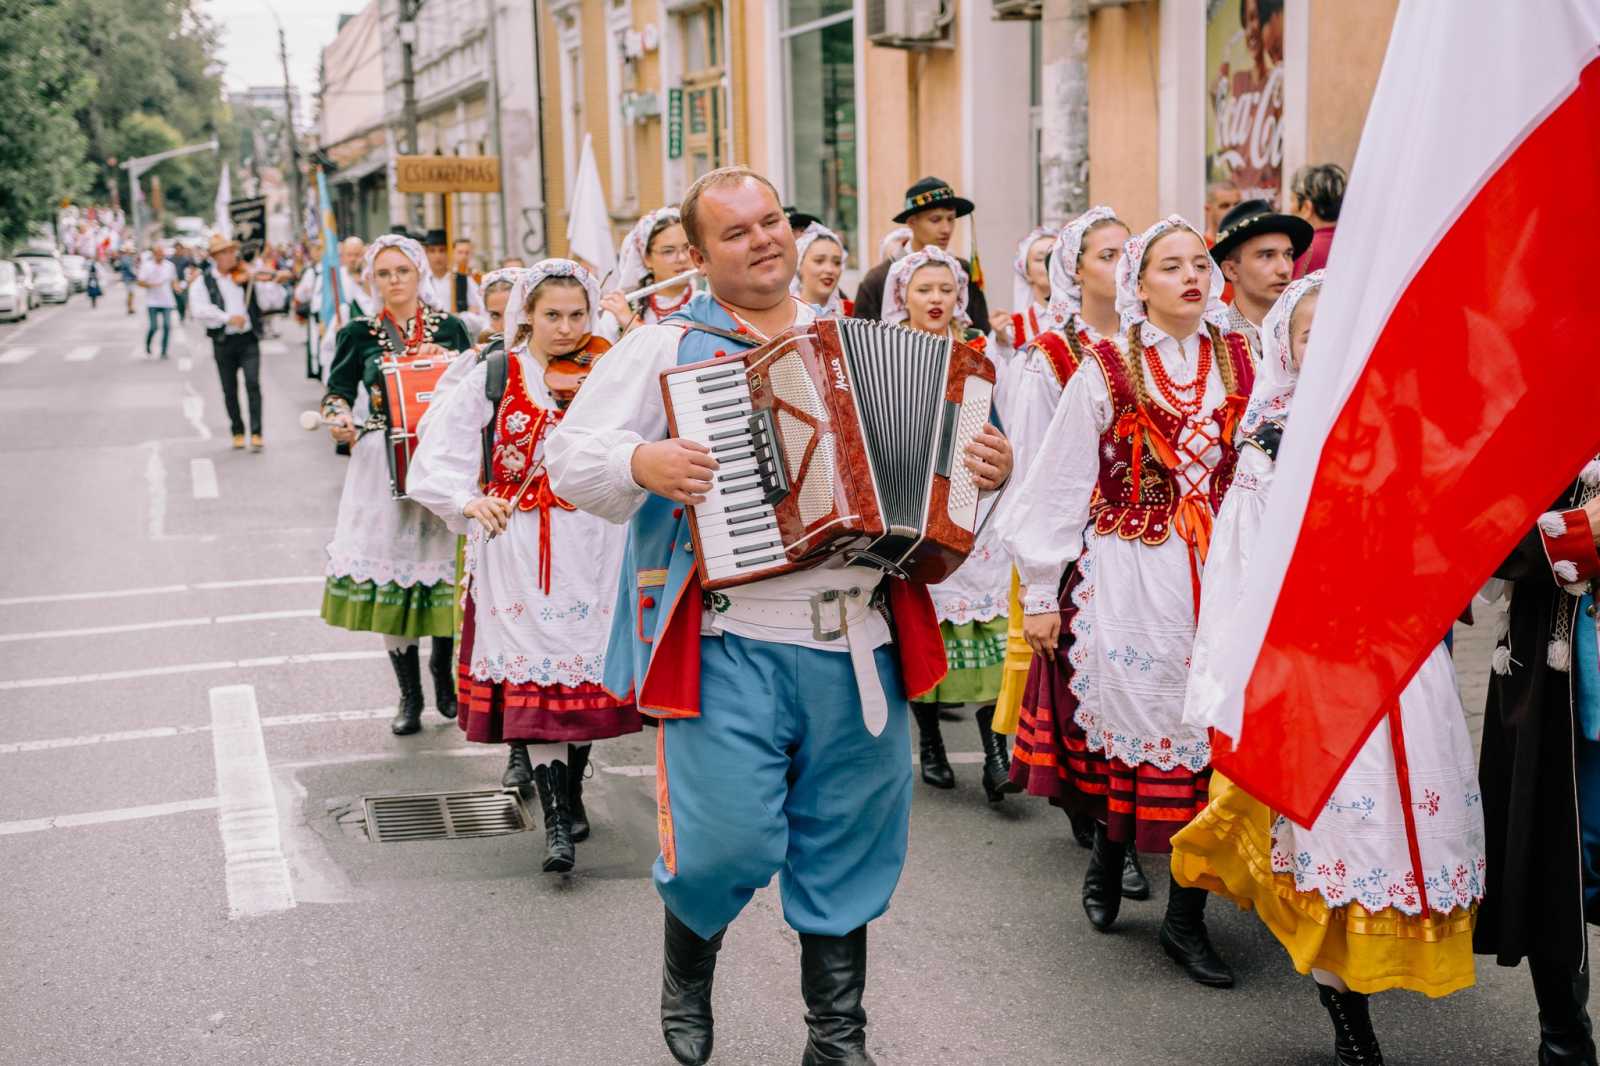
831	596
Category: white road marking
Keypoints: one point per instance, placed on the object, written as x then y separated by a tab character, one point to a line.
16	355
155	480
267	616
83	353
203	473
21	747
247	811
193	668
160	590
185	364
194	409
167	623
121	814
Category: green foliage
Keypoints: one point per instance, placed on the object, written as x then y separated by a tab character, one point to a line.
41	145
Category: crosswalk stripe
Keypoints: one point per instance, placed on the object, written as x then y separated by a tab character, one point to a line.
83	353
16	355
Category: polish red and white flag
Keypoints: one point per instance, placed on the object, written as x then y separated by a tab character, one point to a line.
1451	388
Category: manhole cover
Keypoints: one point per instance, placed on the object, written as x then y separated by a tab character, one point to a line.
445	815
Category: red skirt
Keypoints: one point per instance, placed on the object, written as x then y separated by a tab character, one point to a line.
1139	805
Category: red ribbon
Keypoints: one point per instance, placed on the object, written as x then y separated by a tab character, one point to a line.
1402	773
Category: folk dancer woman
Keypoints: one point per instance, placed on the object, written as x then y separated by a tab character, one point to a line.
1141	448
391	564
655	249
541	577
1340	896
816	279
927	290
1030	293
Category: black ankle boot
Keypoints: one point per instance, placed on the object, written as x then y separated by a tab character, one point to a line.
1183	937
996	759
1082	829
408	672
519	771
935	764
559	854
442	665
1134	884
1354	1042
577	764
687	967
833	975
1565	1035
1102	882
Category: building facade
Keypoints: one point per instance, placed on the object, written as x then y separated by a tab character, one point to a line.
351	131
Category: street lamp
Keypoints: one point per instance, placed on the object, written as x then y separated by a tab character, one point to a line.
137	167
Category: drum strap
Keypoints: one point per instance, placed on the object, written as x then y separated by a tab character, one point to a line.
494	390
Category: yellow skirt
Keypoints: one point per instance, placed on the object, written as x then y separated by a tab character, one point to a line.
1014	675
1227	849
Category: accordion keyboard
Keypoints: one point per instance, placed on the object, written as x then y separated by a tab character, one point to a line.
737	525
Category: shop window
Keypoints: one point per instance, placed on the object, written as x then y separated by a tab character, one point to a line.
818	44
705	92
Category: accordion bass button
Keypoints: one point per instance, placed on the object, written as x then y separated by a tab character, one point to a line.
647	602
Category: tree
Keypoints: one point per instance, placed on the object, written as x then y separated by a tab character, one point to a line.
42	148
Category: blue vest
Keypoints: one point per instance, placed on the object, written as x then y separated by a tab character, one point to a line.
660	558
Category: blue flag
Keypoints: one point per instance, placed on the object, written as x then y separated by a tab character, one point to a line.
333	301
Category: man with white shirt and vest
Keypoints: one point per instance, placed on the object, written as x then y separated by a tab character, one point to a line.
775	753
452	275
230	303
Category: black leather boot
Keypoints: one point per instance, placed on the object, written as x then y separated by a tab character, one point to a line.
1183	937
687	967
1134	883
519	771
577	764
1102	882
559	854
1354	1042
408	672
1565	1034
833	975
1082	829
442	665
996	759
935	764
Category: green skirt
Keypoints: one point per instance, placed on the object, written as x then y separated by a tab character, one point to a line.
976	652
417	611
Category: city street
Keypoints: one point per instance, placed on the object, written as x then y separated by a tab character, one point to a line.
187	876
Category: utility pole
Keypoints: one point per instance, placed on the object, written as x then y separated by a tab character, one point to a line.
1064	48
408	85
295	180
137	167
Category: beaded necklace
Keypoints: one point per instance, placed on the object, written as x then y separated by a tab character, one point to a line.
1174	393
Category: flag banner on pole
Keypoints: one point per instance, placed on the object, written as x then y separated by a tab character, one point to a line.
1449	388
589	224
333	302
249	220
220	220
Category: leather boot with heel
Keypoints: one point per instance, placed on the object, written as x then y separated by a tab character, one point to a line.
1184	938
997	781
519	771
551	780
687	968
1134	883
935	763
577	766
833	976
1565	1034
1354	1042
1102	882
442	665
408	672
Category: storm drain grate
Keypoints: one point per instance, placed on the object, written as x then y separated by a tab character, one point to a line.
445	815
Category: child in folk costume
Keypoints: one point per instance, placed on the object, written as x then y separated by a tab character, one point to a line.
1141	451
1030	293
654	250
821	265
927	290
541	577
1342	896
391	564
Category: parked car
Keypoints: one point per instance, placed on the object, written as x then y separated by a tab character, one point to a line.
50	279
76	267
13	292
28	284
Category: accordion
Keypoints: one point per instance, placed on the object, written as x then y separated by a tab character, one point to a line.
843	436
407	390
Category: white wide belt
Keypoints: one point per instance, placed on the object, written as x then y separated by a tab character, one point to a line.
837	614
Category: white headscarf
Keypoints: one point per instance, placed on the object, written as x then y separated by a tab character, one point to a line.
1129	306
807	238
899	279
495	277
427	291
1277	375
1021	288
529	279
895	243
631	270
1066	295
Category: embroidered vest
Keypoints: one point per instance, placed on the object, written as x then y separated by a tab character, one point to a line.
1058	353
1138	492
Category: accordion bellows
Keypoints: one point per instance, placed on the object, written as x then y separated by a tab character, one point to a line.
845	436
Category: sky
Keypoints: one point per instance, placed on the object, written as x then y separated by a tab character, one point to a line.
250	40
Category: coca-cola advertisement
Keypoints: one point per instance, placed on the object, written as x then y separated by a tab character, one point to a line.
1244	123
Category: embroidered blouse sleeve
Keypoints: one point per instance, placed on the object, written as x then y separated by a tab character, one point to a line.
590	455
1043	528
444	469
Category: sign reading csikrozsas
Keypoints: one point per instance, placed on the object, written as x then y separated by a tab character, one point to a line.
447	173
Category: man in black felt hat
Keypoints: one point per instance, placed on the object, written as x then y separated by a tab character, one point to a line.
1256	249
930	212
798	219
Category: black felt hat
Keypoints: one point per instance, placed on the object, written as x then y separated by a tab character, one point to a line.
1252	218
435	237
798	219
930	193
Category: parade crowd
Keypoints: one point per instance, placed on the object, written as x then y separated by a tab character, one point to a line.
1144	377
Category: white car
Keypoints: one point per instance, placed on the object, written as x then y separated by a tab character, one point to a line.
50	279
13	292
76	267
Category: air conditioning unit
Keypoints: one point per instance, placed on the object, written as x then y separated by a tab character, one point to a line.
910	23
1018	9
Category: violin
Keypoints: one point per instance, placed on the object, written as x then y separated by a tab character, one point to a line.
564	375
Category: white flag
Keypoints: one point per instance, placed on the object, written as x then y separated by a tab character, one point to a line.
588	222
222	224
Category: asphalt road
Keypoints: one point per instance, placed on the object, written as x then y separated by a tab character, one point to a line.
159	597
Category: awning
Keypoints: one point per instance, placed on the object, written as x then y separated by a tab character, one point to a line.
370	165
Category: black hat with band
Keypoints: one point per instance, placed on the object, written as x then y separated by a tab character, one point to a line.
1252	218
930	193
